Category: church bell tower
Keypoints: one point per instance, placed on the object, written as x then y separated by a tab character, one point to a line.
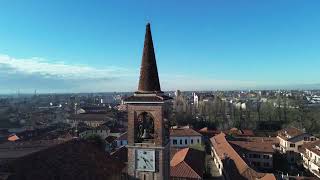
148	128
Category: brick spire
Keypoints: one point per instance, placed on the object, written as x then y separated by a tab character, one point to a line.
149	79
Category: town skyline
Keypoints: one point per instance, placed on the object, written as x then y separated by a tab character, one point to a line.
226	47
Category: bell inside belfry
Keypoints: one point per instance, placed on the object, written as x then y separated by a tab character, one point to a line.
146	135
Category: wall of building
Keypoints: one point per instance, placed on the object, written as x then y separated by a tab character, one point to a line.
121	143
311	161
185	141
100	132
260	160
217	161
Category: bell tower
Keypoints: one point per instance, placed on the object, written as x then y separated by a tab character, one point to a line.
148	128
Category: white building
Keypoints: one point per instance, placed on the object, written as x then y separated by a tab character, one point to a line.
184	137
291	140
311	157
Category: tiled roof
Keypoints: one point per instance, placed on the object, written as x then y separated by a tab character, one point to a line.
123	137
289	133
256	144
208	132
110	139
240	132
151	98
233	163
149	80
13	150
72	160
90	117
178	132
120	154
187	163
313	146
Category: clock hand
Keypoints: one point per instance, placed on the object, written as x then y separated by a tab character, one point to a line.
145	160
149	162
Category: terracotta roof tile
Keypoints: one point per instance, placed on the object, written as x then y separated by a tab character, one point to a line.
123	137
178	132
313	146
110	139
121	154
72	160
256	144
156	98
233	163
188	163
289	133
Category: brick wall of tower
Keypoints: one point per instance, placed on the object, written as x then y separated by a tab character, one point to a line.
156	111
162	149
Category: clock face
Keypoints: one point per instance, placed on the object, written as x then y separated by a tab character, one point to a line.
145	160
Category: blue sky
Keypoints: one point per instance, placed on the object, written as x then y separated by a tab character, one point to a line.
90	46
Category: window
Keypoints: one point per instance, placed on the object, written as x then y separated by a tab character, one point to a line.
256	155
174	141
265	156
185	141
191	141
292	145
180	141
198	141
256	163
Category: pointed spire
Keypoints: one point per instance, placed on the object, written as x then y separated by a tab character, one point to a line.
149	79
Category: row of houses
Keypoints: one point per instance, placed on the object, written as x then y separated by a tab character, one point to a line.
299	145
253	157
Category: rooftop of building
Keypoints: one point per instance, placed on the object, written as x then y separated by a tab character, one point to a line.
182	132
255	144
233	163
290	132
71	160
187	163
313	146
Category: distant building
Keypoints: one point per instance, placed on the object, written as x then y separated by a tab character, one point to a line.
311	157
92	120
102	132
184	137
291	140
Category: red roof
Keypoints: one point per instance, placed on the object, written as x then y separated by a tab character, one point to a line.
72	160
289	133
121	154
179	132
233	163
110	139
187	163
256	144
209	132
123	137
